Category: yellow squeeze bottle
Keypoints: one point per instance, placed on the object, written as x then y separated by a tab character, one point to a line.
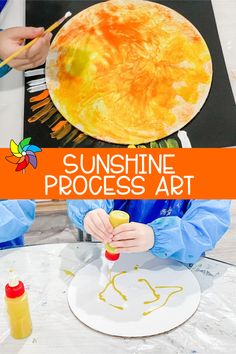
116	217
17	308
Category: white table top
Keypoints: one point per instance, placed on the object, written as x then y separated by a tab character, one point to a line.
12	87
47	271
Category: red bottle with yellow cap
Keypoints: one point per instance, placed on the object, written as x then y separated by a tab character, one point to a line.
17	308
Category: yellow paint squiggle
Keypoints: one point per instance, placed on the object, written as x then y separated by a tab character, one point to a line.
157	296
180	288
112	283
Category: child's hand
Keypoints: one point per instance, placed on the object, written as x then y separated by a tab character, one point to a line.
13	38
132	237
97	224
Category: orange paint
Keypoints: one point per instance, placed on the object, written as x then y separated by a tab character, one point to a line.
41	113
81	137
40	104
62	132
40	97
56	119
71	136
59	125
48	115
129	73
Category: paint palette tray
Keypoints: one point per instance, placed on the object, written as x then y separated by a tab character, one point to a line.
214	125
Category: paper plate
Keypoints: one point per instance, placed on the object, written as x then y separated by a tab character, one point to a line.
129	71
152	296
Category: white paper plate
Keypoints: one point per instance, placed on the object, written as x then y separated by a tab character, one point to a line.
83	296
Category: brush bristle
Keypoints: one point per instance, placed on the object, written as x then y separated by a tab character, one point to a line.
68	14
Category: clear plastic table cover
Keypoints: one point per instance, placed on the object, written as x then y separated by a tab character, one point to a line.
47	271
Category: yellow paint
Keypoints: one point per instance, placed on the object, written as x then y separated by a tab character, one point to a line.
77	61
129	77
68	272
116	217
157	296
109	248
117	307
111	283
19	316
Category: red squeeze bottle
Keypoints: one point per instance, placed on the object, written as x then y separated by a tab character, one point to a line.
117	217
17	308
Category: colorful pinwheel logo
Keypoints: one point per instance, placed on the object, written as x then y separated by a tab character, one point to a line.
23	154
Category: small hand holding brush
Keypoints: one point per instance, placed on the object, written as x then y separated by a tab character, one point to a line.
31	43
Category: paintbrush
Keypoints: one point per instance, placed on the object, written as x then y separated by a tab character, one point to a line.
28	45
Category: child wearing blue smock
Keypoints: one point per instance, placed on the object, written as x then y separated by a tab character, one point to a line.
16	216
179	229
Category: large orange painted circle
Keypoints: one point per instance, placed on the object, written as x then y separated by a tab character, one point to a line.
129	71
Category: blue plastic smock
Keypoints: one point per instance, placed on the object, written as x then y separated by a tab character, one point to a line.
6	68
2	4
15	218
183	229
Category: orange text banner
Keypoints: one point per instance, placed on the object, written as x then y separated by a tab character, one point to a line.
122	174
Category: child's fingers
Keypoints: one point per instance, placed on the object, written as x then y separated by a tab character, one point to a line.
89	226
125	235
124	228
30	66
98	224
15	63
21	33
28	61
40	48
93	227
25	61
124	243
128	250
94	221
105	220
94	232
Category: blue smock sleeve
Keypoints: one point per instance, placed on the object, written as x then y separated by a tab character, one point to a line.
16	216
6	68
77	209
186	239
2	4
